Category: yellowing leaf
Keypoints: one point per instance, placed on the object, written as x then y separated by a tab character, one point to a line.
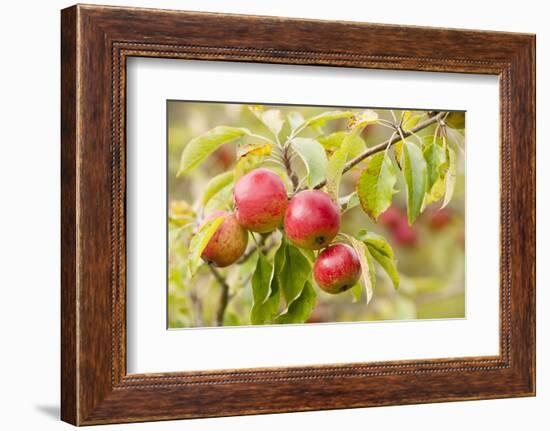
200	241
410	120
321	119
375	187
450	177
398	151
368	272
334	141
363	118
260	149
435	157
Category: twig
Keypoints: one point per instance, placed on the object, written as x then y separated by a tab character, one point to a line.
224	295
260	246
289	171
383	145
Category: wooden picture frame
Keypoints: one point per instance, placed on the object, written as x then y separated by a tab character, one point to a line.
96	41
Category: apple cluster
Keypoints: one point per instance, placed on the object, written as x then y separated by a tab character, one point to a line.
311	220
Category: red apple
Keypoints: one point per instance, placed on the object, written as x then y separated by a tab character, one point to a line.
337	268
260	200
228	242
312	219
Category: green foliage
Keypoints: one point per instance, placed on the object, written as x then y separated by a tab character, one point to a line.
416	179
356	145
255	149
364	118
200	241
246	164
321	119
216	184
410	120
376	241
357	292
294	273
376	185
265	290
387	263
202	146
337	163
295	120
300	309
434	153
349	202
314	157
450	177
271	118
368	271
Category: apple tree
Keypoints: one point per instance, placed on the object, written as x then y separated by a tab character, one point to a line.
282	224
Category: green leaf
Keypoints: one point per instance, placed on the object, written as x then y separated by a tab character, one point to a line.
301	308
375	187
199	148
376	241
265	290
456	120
387	263
200	241
295	119
314	157
436	159
321	119
410	120
295	272
398	151
215	185
271	118
368	272
349	201
450	177
416	179
356	291
333	142
337	163
335	168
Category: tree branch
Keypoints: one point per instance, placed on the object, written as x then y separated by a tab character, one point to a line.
224	295
289	171
261	246
385	144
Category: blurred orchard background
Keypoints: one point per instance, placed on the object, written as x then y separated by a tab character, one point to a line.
430	254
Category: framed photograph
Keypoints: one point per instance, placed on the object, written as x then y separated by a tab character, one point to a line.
265	215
